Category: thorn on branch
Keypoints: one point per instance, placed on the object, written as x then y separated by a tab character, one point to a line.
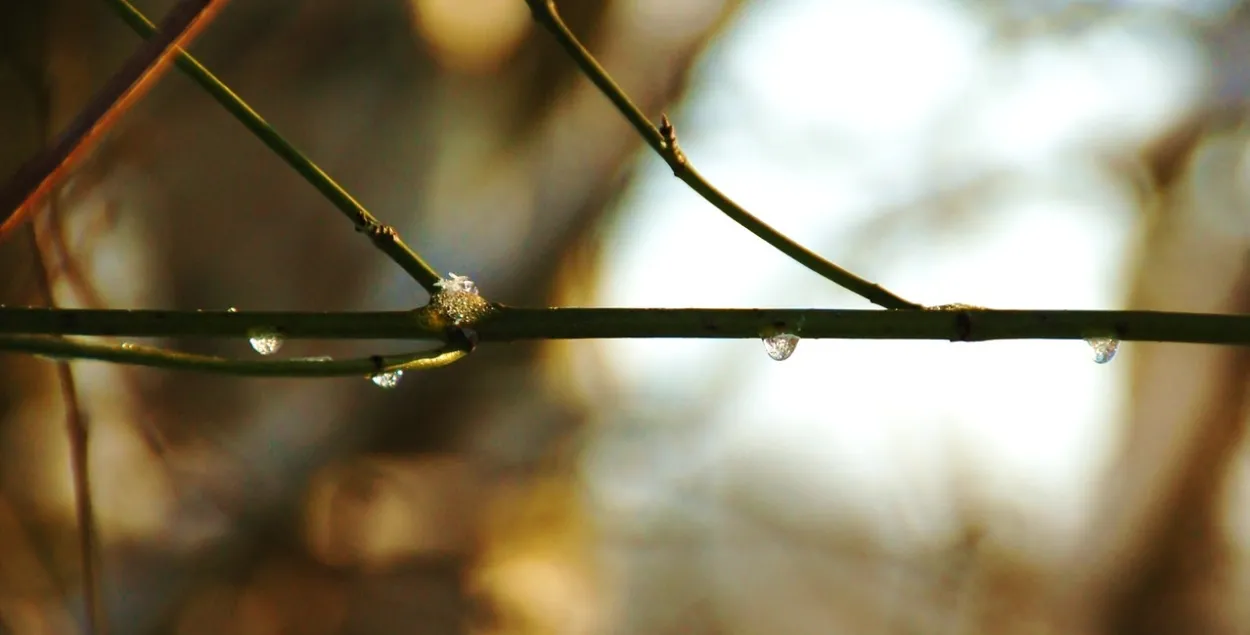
673	154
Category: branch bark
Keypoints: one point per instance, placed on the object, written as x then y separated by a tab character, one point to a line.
506	324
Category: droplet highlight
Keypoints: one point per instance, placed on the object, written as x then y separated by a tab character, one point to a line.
387	380
265	341
781	346
1104	348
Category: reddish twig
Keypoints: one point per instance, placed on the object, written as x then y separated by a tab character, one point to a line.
32	182
76	427
56	245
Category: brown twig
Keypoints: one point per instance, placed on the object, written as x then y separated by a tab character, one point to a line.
58	250
76	427
19	197
75	421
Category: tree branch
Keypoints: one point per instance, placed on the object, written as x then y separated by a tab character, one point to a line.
20	195
79	450
506	324
76	429
664	141
382	236
60	348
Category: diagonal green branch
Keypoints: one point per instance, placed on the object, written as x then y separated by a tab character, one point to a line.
383	237
505	324
59	348
663	140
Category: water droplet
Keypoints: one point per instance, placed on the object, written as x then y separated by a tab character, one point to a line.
387	380
129	346
1104	348
232	310
781	346
265	341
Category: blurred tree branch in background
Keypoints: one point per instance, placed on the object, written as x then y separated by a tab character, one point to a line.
26	189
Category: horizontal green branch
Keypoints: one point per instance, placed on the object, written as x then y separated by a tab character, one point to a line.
60	348
502	324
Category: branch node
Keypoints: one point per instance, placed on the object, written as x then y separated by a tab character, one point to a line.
963	326
463	337
672	152
379	233
963	318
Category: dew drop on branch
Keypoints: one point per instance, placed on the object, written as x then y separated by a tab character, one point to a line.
387	380
781	346
1104	348
264	341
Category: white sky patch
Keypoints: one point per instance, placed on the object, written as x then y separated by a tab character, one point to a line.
873	425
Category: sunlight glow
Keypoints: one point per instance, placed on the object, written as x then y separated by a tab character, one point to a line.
816	115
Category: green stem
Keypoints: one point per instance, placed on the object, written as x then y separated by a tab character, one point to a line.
664	141
382	236
58	348
503	324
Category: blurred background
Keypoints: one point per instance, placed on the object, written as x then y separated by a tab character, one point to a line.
1013	154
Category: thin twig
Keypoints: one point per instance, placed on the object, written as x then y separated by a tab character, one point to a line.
383	237
76	427
134	355
663	140
75	421
19	197
503	324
